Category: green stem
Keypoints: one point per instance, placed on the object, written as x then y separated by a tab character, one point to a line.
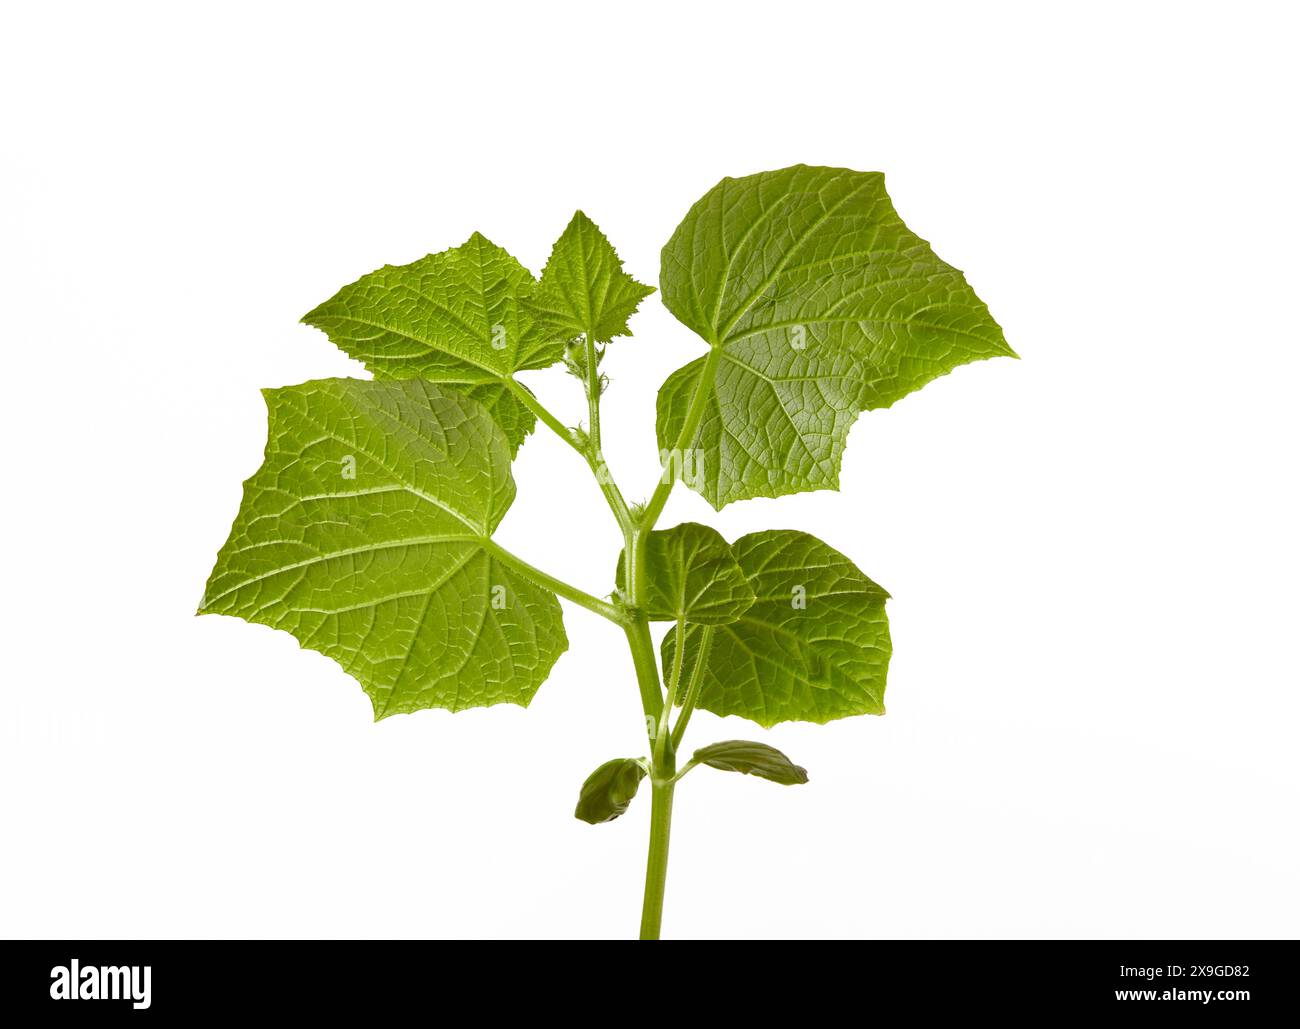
686	438
594	452
593	393
656	868
647	671
630	613
613	496
681	772
663	737
697	679
557	586
664	761
525	397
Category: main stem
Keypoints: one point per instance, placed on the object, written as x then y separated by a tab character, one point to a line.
663	759
663	762
631	614
656	867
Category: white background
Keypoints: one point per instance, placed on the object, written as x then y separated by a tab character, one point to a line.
1094	699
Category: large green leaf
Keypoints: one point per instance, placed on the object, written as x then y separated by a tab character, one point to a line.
751	758
366	534
817	303
584	288
692	576
608	791
458	317
813	647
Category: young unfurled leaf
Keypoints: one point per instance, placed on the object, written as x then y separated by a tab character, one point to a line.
609	790
693	576
752	759
584	288
818	303
456	317
813	647
365	533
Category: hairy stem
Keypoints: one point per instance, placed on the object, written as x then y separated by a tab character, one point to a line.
593	392
525	397
613	496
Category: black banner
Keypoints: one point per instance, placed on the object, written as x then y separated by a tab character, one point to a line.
94	982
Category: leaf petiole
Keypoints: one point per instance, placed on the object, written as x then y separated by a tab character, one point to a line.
663	738
686	438
557	586
526	397
593	391
677	778
589	453
693	687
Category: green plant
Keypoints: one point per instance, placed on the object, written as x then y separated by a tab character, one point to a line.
367	532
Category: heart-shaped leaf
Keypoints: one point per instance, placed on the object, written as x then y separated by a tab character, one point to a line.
692	576
366	534
817	303
813	647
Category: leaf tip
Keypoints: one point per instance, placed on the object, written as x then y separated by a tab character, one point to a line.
380	706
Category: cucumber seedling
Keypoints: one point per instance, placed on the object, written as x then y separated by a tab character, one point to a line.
368	531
